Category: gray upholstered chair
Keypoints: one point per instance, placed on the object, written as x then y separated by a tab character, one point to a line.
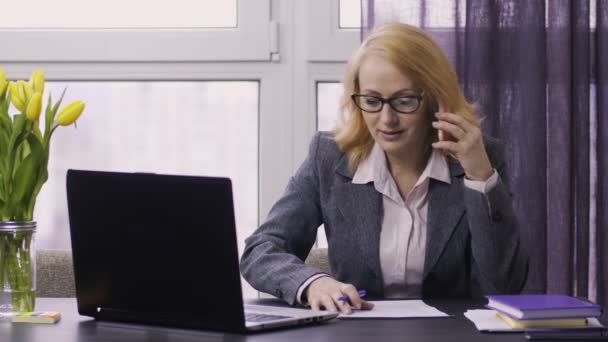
318	258
54	273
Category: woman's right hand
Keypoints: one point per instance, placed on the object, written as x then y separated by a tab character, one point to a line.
325	291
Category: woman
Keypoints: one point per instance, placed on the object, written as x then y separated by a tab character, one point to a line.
414	200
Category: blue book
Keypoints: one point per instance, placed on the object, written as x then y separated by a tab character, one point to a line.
542	306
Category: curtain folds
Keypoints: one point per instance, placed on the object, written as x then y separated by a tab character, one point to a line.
601	95
535	71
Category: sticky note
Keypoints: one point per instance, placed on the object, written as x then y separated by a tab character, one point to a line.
46	317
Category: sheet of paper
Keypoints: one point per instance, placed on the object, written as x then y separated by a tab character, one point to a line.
486	320
397	309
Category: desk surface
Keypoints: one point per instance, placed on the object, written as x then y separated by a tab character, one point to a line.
73	327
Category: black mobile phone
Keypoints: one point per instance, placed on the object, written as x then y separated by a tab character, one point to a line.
568	335
432	109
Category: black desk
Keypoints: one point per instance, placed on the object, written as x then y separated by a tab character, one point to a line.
73	328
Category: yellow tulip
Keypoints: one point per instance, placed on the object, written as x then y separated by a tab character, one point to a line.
33	107
3	83
37	81
17	95
70	113
21	85
27	90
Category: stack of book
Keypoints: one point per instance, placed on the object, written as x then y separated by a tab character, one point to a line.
544	311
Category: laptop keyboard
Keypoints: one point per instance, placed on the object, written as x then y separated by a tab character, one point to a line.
257	317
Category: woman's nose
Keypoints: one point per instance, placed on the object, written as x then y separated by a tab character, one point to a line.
388	115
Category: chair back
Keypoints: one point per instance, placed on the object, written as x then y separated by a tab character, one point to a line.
319	259
54	273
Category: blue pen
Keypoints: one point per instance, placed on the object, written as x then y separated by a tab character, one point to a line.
362	293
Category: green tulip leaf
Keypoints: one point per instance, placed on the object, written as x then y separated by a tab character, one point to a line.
36	130
4	141
3	198
48	118
23	183
19	131
35	146
39	175
5	120
56	106
4	117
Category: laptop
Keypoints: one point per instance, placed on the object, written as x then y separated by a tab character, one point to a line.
162	249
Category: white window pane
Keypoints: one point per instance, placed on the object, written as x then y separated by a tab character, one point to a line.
350	13
189	128
119	14
328	99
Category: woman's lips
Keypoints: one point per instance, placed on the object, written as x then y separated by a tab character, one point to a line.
391	135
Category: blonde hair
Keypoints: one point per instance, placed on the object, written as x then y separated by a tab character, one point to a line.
416	55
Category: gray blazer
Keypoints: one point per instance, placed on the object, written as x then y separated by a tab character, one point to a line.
473	246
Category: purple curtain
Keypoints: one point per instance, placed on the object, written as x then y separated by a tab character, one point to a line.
601	96
536	70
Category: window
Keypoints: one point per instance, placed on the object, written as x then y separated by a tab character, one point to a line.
155	83
191	128
328	102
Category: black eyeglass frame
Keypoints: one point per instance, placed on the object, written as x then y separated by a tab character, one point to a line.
389	100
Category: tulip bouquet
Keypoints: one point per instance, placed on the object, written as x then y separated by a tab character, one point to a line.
24	157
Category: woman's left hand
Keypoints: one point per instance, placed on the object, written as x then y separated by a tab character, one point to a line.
465	143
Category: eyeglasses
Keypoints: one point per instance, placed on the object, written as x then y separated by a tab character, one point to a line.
401	104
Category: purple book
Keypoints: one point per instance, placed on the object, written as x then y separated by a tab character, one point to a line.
543	306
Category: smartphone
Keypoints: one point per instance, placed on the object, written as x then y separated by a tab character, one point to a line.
441	135
568	335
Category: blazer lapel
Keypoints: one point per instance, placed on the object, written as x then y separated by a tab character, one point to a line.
361	207
445	208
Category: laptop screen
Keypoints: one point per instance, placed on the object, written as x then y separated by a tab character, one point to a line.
159	248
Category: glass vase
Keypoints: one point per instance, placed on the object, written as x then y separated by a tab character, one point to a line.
17	266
